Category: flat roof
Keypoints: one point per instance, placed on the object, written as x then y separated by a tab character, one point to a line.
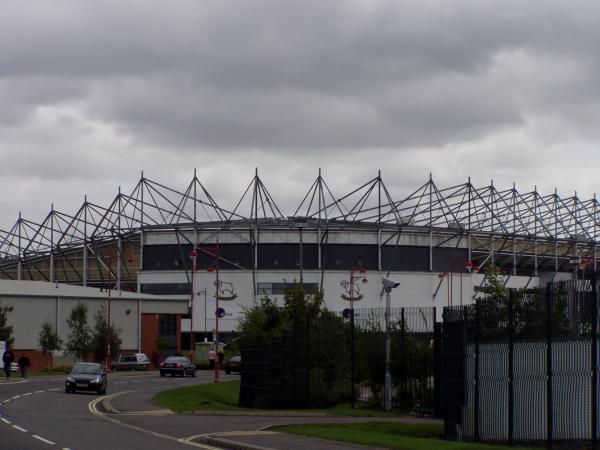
22	288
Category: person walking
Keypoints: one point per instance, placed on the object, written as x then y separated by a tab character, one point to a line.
220	357
212	357
24	364
7	358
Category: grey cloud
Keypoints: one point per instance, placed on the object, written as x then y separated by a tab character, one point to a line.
96	88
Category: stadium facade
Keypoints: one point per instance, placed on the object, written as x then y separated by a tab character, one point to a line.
436	242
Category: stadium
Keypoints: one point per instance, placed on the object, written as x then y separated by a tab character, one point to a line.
182	244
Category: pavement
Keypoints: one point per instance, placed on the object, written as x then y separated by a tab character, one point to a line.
241	430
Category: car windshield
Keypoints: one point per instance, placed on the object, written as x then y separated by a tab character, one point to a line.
91	369
235	359
174	359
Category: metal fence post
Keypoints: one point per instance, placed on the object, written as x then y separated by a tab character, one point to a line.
352	359
308	390
594	335
511	387
549	393
437	367
476	390
402	390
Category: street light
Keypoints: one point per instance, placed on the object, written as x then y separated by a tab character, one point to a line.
193	256
388	285
215	267
356	273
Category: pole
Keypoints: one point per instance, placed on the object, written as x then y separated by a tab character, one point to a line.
388	348
549	392
205	328
301	259
352	353
193	256
108	328
511	364
216	338
192	314
594	360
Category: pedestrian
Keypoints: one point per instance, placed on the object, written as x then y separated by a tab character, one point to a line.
221	357
7	358
24	365
212	356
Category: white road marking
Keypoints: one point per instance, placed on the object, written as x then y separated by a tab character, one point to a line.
38	392
6	401
16	396
120	382
19	428
29	393
42	439
54	389
5	420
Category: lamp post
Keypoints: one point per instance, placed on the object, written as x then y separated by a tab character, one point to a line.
361	274
108	327
388	285
193	256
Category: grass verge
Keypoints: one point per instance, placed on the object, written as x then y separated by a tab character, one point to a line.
391	435
224	397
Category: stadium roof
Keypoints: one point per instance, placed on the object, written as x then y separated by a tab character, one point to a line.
461	209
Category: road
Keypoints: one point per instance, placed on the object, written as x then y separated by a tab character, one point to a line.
37	414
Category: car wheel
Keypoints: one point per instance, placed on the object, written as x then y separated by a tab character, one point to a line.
67	390
228	372
194	373
162	374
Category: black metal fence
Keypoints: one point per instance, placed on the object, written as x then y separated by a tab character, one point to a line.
334	360
523	370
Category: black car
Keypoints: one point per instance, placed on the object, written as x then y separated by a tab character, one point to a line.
86	377
233	364
177	365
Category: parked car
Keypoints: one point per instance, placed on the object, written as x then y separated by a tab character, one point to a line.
177	365
233	364
132	361
86	377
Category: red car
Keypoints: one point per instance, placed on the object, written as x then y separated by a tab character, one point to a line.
233	364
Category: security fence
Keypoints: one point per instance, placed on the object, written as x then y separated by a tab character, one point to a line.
333	360
523	369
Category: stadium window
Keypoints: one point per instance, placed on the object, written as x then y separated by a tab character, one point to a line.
406	258
346	256
287	256
165	288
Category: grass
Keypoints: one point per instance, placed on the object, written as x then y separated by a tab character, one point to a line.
202	397
224	397
391	435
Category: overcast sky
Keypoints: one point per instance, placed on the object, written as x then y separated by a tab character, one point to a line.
94	92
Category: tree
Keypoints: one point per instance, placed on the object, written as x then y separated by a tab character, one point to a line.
299	335
99	336
79	340
6	330
49	340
